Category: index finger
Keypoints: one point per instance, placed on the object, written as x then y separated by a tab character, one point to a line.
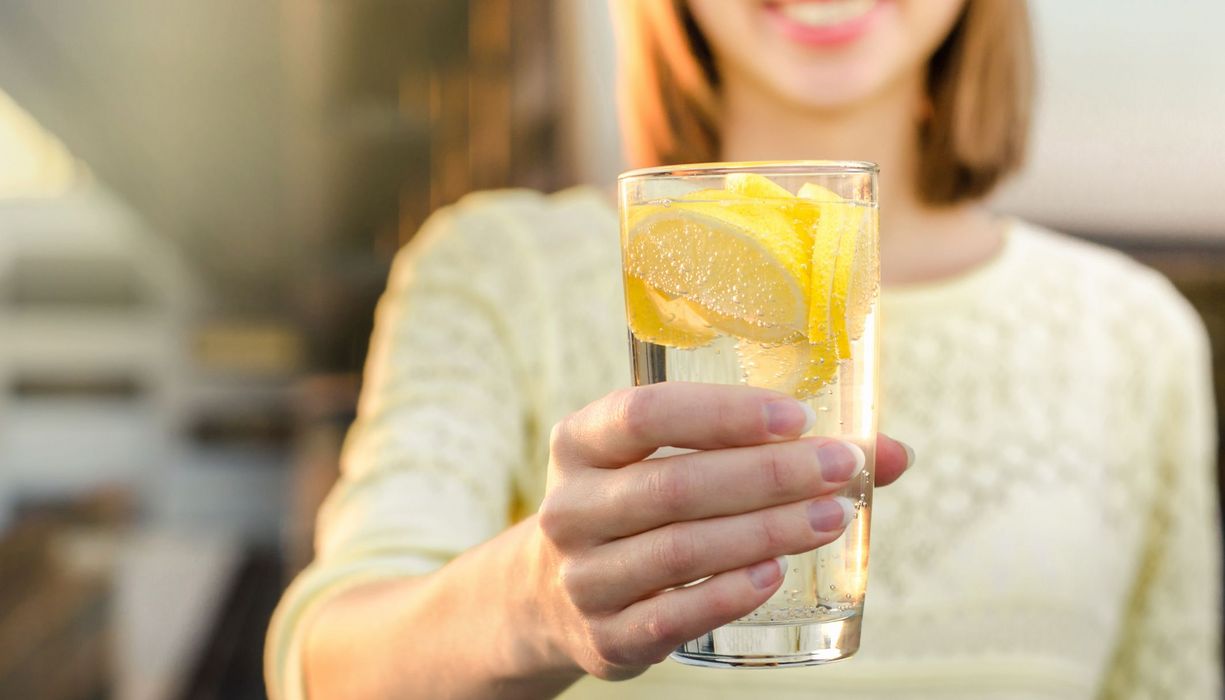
628	425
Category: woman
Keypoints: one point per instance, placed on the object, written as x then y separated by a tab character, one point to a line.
1058	540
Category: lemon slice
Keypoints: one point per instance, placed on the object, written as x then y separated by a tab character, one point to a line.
800	369
739	328
843	280
756	186
865	276
738	259
655	318
802	214
640	212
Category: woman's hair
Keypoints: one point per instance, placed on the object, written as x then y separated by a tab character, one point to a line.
979	82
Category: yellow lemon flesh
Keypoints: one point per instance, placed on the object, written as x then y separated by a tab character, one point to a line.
843	270
791	278
737	259
754	186
656	318
800	368
802	214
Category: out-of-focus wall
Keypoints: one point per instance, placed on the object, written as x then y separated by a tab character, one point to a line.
1128	136
589	121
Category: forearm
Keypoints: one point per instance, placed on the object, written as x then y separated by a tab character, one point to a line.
473	629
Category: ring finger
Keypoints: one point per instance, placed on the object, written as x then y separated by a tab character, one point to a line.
621	572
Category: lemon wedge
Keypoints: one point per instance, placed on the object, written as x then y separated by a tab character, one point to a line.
737	259
800	368
865	276
803	215
739	328
656	318
842	284
757	186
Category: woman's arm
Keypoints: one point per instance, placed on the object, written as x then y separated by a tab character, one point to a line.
431	466
469	630
1170	639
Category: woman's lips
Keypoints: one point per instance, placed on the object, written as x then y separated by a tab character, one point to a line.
823	22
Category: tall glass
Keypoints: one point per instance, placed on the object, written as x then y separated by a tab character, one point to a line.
767	274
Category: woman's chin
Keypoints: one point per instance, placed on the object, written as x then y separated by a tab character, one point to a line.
837	93
832	80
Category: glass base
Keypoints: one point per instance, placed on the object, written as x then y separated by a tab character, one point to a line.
740	645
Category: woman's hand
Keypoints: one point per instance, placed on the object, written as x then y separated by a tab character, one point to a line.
590	584
617	533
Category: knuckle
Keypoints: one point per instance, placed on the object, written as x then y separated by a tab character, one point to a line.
662	631
612	672
777	470
574	581
721	604
675	552
611	658
609	653
670	488
660	654
728	416
598	668
636	409
561	434
774	532
552	518
562	521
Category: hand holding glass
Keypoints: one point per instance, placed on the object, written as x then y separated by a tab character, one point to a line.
767	274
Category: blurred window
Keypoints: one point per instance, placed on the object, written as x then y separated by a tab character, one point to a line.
76	282
35	163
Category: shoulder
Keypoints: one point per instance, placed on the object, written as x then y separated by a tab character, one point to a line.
1066	255
516	212
502	229
1109	285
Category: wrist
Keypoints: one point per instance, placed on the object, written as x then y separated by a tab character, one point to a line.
538	622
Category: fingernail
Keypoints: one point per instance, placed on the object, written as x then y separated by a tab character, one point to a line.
829	514
767	573
789	418
810	418
840	461
909	454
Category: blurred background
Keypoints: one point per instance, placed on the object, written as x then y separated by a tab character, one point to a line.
199	201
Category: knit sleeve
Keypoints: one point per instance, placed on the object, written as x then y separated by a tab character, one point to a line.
1170	646
428	468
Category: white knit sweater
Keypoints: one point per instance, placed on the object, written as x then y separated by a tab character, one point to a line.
1057	538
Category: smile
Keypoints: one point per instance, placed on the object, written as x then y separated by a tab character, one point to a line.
819	22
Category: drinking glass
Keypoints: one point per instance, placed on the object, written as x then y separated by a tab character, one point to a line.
767	274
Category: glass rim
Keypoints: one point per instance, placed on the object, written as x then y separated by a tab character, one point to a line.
763	167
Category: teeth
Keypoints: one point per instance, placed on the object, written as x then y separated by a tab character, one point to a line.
826	13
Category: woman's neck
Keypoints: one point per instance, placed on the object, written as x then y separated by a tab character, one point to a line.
757	125
919	242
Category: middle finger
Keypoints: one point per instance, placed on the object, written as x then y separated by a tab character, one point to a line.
713	483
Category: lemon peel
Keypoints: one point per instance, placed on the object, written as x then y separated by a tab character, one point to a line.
655	318
842	270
